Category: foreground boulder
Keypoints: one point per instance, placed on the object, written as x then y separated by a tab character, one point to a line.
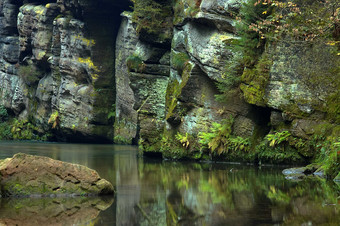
28	175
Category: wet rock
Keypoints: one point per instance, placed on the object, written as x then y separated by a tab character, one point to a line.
301	172
320	173
276	118
28	175
303	127
295	173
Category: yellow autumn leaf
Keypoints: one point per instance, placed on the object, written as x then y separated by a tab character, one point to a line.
265	12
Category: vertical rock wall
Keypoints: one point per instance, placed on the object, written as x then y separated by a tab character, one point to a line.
11	86
140	102
300	92
126	116
62	67
57	65
173	89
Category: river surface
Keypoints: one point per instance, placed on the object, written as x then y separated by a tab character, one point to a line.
155	192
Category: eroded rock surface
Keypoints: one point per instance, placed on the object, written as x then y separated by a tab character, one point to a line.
57	57
28	175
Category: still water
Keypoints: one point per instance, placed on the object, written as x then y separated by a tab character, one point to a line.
152	192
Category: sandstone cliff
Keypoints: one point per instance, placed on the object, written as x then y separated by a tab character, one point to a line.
86	70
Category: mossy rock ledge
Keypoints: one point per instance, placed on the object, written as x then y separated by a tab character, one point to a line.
29	175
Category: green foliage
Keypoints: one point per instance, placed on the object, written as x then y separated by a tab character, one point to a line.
151	16
174	90
5	131
179	61
301	20
277	138
54	120
184	9
112	112
24	130
183	139
219	140
135	63
231	77
3	113
329	155
255	81
239	144
30	74
246	52
251	43
282	147
279	154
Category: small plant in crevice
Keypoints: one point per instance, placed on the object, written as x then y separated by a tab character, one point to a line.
135	63
183	139
30	74
179	61
112	113
149	15
54	120
185	8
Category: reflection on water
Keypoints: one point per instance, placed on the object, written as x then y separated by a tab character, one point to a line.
169	193
52	211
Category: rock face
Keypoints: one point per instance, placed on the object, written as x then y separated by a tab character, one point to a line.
57	58
163	91
140	103
28	175
296	92
126	115
71	70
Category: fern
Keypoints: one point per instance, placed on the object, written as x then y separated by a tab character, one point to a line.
277	138
184	140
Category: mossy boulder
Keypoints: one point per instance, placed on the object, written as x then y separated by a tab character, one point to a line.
29	175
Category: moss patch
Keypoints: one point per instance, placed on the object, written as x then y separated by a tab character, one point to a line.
254	81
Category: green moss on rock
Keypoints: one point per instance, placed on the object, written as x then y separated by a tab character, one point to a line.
255	80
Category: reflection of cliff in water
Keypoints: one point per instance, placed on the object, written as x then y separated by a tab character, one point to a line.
174	193
205	194
128	189
52	211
